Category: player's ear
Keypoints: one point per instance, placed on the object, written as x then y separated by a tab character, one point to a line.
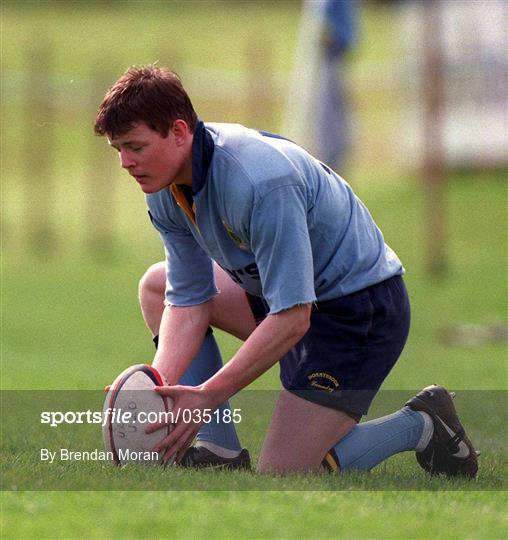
181	131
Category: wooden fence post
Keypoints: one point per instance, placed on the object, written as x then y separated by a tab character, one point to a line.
434	169
101	184
38	144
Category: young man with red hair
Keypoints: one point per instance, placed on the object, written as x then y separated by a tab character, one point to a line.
267	243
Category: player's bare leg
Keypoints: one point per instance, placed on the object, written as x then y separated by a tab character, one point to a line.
300	434
151	296
231	311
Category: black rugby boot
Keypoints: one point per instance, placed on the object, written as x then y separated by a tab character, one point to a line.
449	451
199	457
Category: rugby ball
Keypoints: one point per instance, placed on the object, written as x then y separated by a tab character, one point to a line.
131	405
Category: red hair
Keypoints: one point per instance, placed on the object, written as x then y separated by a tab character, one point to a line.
148	94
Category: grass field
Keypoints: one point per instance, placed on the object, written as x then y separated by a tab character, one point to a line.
71	321
253	515
63	313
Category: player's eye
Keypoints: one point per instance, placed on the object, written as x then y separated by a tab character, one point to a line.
135	148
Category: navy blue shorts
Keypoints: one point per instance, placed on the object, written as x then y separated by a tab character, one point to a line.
352	344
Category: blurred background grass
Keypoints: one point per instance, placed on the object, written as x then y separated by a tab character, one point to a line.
69	310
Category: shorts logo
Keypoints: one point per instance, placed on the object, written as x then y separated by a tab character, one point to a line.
323	381
236	239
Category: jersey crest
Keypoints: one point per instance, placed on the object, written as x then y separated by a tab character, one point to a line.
236	239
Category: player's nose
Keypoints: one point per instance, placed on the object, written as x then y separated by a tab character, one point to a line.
126	160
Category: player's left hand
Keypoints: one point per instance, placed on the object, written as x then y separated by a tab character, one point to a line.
189	407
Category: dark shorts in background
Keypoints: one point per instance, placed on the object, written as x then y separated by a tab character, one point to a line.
351	346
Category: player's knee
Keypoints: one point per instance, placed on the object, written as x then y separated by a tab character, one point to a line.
152	282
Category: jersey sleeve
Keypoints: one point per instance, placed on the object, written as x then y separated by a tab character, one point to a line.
189	270
281	245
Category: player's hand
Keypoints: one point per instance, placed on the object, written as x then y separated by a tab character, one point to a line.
189	407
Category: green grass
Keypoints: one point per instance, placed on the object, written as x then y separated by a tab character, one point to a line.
248	515
72	322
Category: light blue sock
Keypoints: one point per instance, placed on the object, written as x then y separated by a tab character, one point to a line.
205	364
372	442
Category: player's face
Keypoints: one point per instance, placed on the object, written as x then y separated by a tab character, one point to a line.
154	161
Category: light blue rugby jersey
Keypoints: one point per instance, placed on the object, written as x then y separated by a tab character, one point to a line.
282	224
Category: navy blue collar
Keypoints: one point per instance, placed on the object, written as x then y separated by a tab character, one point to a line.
202	152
